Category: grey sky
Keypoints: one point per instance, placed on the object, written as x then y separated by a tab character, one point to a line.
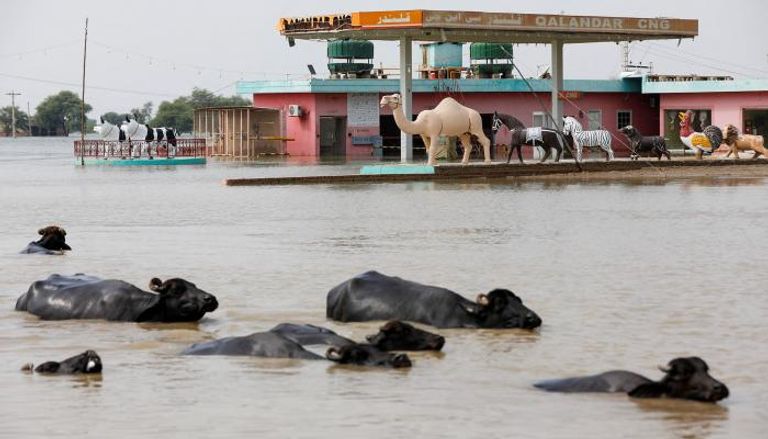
142	50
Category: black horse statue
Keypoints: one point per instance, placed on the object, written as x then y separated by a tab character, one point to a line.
546	138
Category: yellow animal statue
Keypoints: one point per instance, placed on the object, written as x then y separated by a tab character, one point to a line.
744	142
449	118
705	142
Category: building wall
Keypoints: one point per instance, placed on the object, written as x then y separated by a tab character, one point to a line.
522	105
726	107
303	130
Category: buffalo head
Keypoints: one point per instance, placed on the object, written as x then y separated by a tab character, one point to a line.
366	355
87	362
53	238
686	378
397	335
502	309
181	300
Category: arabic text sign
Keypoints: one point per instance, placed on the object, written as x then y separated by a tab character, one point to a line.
387	18
363	109
571	23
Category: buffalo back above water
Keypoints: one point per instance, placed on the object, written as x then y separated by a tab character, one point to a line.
89	297
375	296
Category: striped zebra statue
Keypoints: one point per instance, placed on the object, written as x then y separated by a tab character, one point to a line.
581	138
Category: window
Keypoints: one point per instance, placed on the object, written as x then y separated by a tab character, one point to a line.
540	119
595	119
623	118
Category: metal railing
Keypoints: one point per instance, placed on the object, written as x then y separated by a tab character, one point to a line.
107	149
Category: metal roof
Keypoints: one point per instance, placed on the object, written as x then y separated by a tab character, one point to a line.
468	26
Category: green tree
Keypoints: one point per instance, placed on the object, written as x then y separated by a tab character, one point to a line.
143	114
6	120
60	112
114	118
179	112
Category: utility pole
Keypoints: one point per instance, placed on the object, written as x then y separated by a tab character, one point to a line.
13	95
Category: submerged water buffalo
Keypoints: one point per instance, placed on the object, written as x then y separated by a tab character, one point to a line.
686	378
367	355
393	336
52	242
87	362
260	344
287	340
375	296
89	297
401	336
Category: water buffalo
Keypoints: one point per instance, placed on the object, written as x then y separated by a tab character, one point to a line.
87	362
260	344
401	336
88	297
367	355
374	296
394	336
310	335
287	340
686	378
51	242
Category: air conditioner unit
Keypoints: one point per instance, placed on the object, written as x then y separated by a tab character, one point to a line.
294	110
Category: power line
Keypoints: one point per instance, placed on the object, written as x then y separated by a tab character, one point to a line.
90	87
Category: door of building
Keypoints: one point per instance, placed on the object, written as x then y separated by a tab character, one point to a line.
333	139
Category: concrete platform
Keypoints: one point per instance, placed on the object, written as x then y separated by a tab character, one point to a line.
447	172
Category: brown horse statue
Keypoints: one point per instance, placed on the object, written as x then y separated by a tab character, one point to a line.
743	142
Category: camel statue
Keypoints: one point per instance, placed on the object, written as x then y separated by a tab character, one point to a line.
449	118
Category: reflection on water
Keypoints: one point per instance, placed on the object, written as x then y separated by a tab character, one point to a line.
625	274
687	419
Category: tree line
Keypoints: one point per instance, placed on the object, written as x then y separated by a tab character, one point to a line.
59	114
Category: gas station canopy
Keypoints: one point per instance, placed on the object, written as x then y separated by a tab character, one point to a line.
501	27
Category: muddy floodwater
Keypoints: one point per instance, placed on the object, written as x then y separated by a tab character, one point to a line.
625	275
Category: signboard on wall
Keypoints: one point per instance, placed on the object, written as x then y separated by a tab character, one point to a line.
363	110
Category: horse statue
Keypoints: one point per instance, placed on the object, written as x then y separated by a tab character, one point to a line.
113	134
546	138
581	138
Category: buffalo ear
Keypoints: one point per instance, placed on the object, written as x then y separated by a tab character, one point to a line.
648	390
156	285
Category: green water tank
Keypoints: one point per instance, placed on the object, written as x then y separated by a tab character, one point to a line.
491	59
490	51
350	49
343	53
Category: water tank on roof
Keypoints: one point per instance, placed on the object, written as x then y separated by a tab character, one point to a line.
490	60
435	55
343	56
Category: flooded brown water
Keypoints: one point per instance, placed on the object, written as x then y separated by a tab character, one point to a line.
624	275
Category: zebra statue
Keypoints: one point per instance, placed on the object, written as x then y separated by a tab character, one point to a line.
581	138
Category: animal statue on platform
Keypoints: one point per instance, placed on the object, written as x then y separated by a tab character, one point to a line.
705	142
581	138
449	119
138	133
656	145
743	142
546	138
114	135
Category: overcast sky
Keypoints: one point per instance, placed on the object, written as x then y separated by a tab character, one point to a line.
141	51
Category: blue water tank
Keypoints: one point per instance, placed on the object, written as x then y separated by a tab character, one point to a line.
443	54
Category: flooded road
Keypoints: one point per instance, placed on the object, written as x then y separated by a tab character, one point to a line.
624	276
